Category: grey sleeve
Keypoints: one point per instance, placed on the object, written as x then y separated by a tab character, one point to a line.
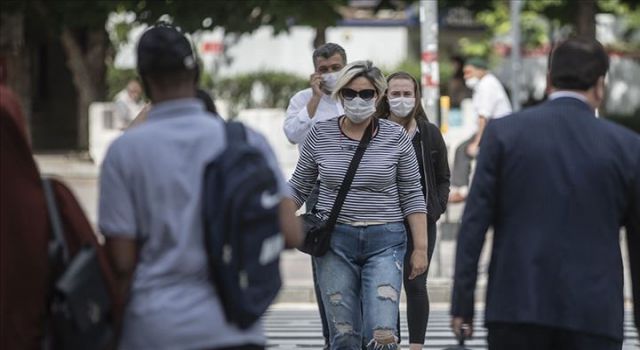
116	212
256	139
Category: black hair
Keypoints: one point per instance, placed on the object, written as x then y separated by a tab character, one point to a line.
460	60
327	50
577	64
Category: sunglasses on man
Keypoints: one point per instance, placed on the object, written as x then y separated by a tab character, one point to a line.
350	94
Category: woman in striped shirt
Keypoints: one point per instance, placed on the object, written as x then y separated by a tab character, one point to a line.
360	277
401	104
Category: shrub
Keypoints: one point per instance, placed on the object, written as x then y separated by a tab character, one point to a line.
277	88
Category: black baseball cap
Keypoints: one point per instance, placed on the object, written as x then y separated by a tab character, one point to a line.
164	48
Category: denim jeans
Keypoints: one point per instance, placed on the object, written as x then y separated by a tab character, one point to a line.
360	279
310	204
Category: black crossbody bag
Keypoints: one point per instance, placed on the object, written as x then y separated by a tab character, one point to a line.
317	231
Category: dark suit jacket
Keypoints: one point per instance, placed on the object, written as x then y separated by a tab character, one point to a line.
556	184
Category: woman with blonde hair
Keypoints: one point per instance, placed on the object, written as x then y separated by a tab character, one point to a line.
360	276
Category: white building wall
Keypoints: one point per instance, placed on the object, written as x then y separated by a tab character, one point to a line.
289	51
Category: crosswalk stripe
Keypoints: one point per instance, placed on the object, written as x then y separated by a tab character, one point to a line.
289	329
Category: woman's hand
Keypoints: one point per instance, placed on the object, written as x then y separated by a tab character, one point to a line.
418	227
418	263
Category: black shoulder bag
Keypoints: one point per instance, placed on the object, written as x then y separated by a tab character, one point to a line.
317	231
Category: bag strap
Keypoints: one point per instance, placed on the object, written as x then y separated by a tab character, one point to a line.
236	133
57	243
351	172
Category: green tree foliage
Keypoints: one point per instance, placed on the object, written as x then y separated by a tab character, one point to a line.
409	65
117	79
80	28
241	16
538	19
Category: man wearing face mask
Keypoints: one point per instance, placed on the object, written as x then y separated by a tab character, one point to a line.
556	184
310	106
490	102
314	104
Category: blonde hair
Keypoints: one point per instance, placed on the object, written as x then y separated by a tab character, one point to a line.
358	69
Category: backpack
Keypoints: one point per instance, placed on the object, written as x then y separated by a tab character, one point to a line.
241	228
82	296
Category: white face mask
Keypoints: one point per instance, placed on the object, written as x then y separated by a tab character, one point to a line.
402	106
330	80
471	82
359	110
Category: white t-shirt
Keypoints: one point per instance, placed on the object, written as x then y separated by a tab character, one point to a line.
127	108
297	123
489	98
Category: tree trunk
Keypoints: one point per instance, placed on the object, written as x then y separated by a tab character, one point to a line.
86	61
16	61
585	20
320	38
88	70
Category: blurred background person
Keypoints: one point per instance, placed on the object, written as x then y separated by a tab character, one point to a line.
402	104
24	234
490	102
457	88
128	103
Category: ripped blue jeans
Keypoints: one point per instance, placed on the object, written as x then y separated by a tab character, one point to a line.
360	280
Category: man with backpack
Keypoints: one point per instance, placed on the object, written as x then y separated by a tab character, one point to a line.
162	221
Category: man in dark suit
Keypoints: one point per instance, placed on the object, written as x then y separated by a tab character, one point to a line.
556	184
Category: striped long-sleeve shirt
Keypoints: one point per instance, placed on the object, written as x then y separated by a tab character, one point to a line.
386	187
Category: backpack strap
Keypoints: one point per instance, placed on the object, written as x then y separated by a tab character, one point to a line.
236	133
57	243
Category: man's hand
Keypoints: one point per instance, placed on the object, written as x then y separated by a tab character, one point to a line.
461	326
418	263
472	149
315	81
